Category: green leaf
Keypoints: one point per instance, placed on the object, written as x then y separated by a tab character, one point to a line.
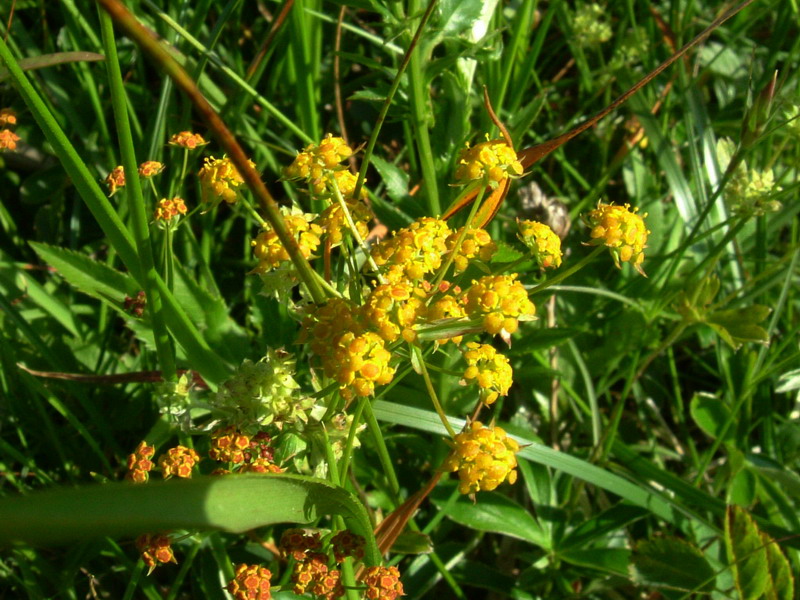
395	179
50	60
611	560
738	325
781	585
232	503
711	415
492	512
672	563
412	542
747	554
611	520
88	275
742	489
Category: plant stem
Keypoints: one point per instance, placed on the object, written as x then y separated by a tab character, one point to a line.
141	231
431	392
567	273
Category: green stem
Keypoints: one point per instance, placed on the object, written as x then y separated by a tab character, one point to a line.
452	254
151	46
357	236
373	138
567	273
383	453
431	392
141	231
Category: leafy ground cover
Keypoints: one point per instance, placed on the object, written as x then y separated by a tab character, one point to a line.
235	258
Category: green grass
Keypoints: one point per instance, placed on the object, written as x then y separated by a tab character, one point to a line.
647	407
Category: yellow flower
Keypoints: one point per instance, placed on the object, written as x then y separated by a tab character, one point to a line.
500	301
476	244
219	180
447	307
621	230
359	363
493	160
166	209
178	462
268	248
115	180
333	221
484	457
155	549
250	582
393	309
187	139
489	369
7	117
383	583
544	244
317	162
413	251
140	463
150	168
8	139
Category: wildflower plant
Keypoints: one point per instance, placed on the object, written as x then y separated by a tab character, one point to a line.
330	387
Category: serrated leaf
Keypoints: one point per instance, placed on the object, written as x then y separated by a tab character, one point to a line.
747	554
395	179
232	503
781	585
710	414
672	563
492	512
86	274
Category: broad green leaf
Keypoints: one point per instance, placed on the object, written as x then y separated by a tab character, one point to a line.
608	521
412	542
394	178
50	60
781	584
739	324
742	490
492	512
711	415
612	560
747	554
87	275
233	503
672	563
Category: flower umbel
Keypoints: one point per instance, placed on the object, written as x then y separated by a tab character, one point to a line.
268	248
220	180
544	244
115	180
149	168
8	139
188	140
493	160
484	457
167	210
178	462
251	582
383	583
500	301
621	230
489	369
140	463
156	549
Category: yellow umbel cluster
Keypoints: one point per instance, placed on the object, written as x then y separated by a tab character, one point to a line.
359	363
476	244
178	462
392	310
334	222
317	163
493	161
383	583
543	243
500	301
168	209
268	248
250	582
413	251
484	457
621	230
489	369
220	180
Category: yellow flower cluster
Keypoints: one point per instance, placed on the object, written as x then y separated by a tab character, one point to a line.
115	180
313	575
413	251
250	582
187	139
476	244
317	164
499	301
149	168
8	139
393	309
140	463
334	223
155	549
492	160
489	369
178	462
228	445
220	180
544	244
447	307
622	230
484	457
166	209
268	248
359	363
383	583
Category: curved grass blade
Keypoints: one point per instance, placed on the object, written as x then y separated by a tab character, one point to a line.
233	503
50	60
